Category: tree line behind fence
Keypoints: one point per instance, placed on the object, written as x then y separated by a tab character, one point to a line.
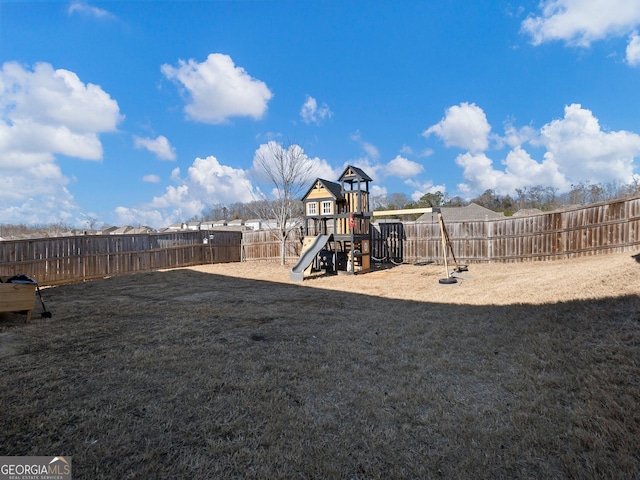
599	228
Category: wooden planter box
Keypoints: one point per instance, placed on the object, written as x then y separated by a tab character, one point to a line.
17	297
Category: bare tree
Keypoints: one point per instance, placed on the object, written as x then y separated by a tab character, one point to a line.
285	170
536	196
632	189
91	223
398	200
379	202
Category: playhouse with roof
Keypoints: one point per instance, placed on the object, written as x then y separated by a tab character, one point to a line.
336	225
338	234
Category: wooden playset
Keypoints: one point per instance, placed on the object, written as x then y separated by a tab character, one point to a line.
336	226
338	234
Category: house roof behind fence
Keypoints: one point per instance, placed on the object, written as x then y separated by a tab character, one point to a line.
142	229
524	212
469	213
122	230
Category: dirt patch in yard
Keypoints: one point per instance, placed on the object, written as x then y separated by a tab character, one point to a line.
230	370
490	284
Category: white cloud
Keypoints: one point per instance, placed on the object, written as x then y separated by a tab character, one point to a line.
520	167
159	146
322	169
377	191
581	22
633	50
421	188
370	149
151	178
515	136
218	89
403	168
464	126
520	171
57	99
310	112
175	175
59	209
86	9
406	150
227	184
478	171
44	113
35	194
207	183
140	216
577	150
580	147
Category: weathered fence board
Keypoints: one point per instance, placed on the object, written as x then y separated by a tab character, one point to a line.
52	261
594	229
598	228
263	245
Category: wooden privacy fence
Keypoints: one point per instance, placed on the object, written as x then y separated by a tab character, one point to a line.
599	228
588	230
52	261
263	245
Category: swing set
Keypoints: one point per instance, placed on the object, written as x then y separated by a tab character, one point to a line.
447	247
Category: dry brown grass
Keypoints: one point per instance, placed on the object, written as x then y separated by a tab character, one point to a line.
229	371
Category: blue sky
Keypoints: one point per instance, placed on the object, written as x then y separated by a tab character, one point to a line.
149	112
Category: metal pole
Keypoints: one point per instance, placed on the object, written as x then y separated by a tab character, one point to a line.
444	244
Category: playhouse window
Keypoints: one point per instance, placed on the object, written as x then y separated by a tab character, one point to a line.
311	208
326	208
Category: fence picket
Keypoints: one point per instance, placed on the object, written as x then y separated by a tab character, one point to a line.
52	261
589	230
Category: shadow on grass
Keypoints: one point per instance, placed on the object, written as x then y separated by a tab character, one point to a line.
182	374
